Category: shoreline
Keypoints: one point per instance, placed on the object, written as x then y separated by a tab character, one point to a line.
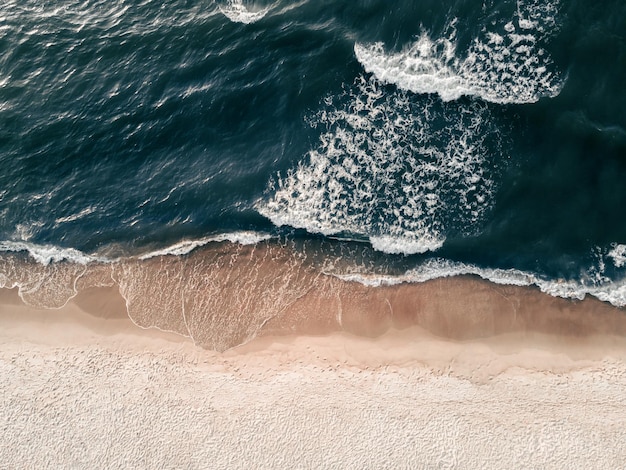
226	294
84	387
579	334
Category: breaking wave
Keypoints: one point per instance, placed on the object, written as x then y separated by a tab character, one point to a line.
397	170
46	254
187	246
237	12
505	64
605	290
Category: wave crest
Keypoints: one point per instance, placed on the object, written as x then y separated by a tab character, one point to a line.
399	171
46	254
237	12
607	291
503	66
187	246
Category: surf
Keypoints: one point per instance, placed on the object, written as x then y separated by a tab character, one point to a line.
504	64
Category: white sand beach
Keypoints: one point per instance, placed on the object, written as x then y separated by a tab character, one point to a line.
85	391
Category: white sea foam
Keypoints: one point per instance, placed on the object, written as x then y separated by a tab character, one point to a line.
607	291
46	254
506	65
79	215
187	246
396	170
396	245
618	254
244	237
538	15
237	12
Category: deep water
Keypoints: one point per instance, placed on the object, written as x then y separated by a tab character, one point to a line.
451	137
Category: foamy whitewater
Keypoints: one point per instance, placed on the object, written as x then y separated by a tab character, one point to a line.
236	11
269	150
187	246
390	170
312	234
605	290
504	65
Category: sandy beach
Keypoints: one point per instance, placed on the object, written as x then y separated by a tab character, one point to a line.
263	234
84	387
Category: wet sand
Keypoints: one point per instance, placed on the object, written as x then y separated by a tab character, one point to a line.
225	295
539	385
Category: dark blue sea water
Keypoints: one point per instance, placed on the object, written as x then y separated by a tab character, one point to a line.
421	139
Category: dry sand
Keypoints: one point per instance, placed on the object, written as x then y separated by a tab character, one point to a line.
83	387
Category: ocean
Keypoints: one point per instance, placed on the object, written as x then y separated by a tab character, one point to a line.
149	144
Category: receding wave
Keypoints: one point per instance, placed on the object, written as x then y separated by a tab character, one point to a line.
399	171
237	12
505	64
224	294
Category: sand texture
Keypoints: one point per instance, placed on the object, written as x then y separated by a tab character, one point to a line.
86	391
